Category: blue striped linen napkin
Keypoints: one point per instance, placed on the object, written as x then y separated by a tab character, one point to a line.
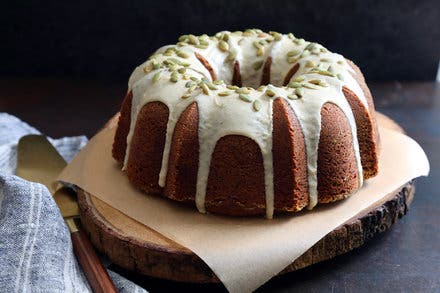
35	247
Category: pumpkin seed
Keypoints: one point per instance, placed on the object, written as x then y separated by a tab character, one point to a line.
182	54
270	93
299	92
156	77
258	65
224	93
193	40
245	98
310	63
223	46
205	88
294	84
299	78
292	97
256	105
293	53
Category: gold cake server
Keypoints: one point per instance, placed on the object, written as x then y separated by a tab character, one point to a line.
39	161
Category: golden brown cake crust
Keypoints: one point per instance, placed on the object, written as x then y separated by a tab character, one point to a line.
120	142
337	168
236	179
145	156
289	159
184	157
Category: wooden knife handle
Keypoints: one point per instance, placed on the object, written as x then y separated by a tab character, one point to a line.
92	266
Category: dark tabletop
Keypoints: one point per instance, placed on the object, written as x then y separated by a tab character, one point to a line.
404	259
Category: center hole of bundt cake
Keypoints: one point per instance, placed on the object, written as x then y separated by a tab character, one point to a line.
264	65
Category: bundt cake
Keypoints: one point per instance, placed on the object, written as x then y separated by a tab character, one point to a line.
247	123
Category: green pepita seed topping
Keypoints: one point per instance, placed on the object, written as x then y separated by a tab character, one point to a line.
181	70
310	46
201	46
292	97
290	36
256	44
310	63
277	36
243	90
258	65
212	86
340	62
224	93
260	51
340	76
156	64
256	105
299	92
186	96
310	86
294	84
193	40
232	87
261	88
245	98
156	77
225	37
315	51
299	78
174	77
218	82
292	60
304	54
183	38
293	53
315	81
325	60
270	93
193	78
223	46
299	41
189	84
204	42
232	55
182	54
205	88
148	67
324	72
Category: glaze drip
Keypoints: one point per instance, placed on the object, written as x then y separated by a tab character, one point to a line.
175	76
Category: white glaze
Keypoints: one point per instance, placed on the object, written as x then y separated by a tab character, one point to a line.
237	116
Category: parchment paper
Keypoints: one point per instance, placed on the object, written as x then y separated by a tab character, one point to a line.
244	253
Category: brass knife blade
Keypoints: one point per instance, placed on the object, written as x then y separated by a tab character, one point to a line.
39	161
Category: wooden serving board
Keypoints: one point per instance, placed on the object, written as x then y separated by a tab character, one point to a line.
134	246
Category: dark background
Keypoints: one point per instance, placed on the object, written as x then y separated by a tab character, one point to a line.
105	40
64	68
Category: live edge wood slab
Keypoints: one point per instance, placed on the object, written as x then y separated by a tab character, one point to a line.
134	246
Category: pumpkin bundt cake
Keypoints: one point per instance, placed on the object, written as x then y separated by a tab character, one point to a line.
247	123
